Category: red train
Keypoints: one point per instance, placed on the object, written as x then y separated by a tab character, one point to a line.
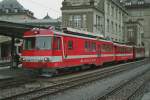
50	50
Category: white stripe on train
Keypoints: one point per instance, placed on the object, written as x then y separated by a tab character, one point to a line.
59	58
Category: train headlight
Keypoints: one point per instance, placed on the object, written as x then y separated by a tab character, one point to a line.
46	59
22	59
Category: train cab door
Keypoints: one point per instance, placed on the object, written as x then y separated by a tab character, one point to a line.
57	48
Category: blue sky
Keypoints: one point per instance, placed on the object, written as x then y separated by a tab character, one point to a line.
40	8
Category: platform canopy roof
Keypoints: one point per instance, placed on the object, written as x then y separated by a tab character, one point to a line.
13	29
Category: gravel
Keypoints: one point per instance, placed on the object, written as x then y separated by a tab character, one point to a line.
147	94
93	90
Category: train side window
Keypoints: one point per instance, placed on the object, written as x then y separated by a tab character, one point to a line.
86	45
70	45
106	48
93	46
57	43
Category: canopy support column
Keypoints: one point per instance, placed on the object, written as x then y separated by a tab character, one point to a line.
13	53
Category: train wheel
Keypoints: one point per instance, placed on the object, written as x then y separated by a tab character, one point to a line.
49	72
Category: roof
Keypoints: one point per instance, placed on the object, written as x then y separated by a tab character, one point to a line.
13	29
11	4
137	2
47	17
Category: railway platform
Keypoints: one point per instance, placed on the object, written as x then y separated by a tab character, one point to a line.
4	77
6	72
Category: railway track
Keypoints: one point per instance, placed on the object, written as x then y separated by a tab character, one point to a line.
62	85
128	90
15	82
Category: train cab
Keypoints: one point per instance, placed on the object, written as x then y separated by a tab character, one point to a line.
41	47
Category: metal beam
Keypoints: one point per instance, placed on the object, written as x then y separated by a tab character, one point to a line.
13	29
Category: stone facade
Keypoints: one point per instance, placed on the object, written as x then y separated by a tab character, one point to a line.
115	16
140	10
134	33
84	15
99	16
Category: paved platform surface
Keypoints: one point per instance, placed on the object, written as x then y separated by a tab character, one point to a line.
3	77
7	72
147	94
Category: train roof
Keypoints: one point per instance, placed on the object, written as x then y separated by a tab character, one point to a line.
118	44
81	34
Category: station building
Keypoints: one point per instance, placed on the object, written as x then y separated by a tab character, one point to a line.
105	17
11	10
84	15
134	33
140	10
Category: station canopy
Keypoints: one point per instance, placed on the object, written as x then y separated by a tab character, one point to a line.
13	29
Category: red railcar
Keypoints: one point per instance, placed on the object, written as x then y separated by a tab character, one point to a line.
139	52
49	49
123	52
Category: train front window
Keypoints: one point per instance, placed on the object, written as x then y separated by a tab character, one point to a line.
38	43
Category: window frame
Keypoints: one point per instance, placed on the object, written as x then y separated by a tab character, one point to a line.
70	44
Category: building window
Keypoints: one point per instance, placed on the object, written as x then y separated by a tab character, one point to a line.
116	28
16	10
98	24
140	2
84	22
70	21
111	13
108	27
108	8
112	27
130	33
128	3
119	29
119	16
77	21
116	13
7	10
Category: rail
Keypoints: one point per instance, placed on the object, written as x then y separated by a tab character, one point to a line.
75	81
